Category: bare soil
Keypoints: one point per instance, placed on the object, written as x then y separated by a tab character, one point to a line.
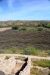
37	39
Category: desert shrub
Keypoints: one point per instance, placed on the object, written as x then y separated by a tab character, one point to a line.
27	51
7	57
39	25
23	29
31	50
40	29
44	25
15	28
48	26
48	73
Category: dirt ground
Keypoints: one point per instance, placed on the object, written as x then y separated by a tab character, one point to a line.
11	38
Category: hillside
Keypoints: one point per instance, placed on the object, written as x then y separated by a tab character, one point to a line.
26	39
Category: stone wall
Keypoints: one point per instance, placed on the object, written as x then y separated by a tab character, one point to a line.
26	70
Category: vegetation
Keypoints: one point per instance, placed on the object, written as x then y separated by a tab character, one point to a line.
42	63
13	51
24	29
40	29
15	28
7	57
40	67
25	23
49	73
34	51
36	71
29	37
26	51
48	26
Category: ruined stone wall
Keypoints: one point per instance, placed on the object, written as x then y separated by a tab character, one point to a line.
26	70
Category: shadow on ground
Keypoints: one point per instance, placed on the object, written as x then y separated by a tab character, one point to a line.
2	73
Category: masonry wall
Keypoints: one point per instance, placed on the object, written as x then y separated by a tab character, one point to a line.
26	70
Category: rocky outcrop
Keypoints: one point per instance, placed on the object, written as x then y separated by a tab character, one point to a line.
2	73
25	69
13	66
10	66
22	68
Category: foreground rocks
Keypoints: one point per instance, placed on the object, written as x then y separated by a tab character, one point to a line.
12	65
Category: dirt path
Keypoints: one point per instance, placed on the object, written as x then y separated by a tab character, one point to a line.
29	56
4	29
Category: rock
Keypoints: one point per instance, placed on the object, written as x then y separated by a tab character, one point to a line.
2	73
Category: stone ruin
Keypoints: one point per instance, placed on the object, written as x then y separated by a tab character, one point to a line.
14	66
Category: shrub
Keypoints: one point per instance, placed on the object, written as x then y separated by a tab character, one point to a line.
27	51
49	74
23	29
44	25
15	28
7	57
31	50
48	26
40	29
39	25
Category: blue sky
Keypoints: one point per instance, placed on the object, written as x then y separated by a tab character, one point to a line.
24	9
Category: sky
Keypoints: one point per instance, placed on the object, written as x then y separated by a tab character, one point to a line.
24	10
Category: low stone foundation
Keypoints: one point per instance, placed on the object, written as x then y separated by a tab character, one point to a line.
13	66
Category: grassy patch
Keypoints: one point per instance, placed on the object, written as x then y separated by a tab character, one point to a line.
42	63
36	71
13	51
27	51
34	51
